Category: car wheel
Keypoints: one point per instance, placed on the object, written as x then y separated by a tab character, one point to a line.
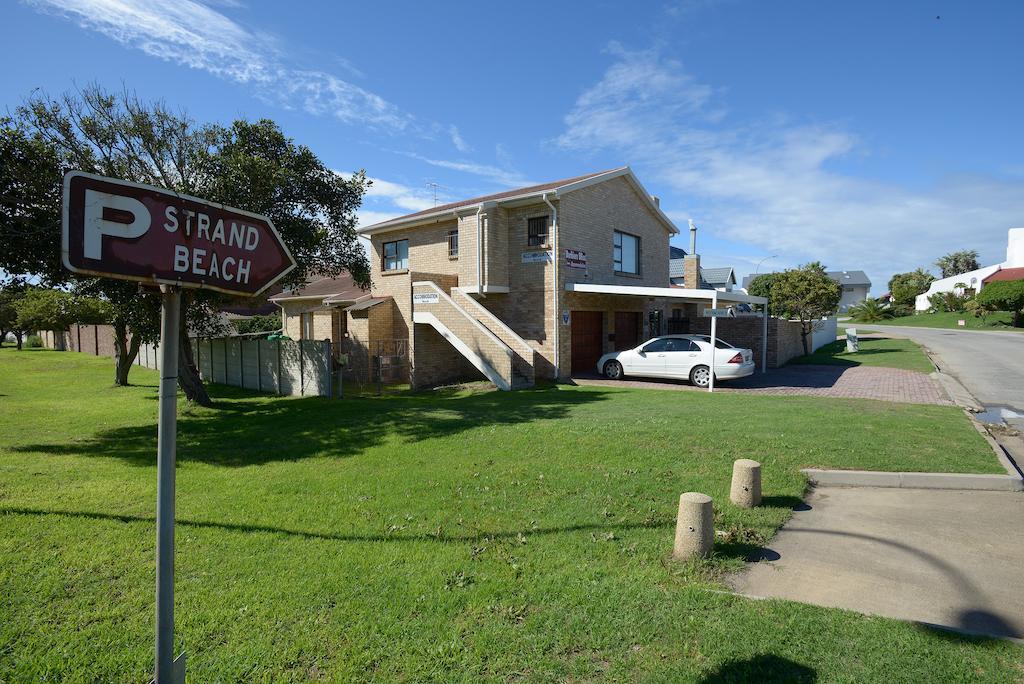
700	376
613	370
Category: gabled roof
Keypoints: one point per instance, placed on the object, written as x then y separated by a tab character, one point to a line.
718	276
849	277
340	288
676	252
554	188
1005	274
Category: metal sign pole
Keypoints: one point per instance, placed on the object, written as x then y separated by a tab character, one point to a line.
167	432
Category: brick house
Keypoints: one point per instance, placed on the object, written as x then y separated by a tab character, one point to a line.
532	283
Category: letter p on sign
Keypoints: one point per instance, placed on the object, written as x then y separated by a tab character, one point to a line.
97	205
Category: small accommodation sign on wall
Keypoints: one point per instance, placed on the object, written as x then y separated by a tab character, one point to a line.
576	258
537	257
425	298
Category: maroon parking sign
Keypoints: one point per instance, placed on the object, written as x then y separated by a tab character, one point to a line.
124	230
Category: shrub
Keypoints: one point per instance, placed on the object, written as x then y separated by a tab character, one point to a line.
870	310
34	342
1005	295
258	324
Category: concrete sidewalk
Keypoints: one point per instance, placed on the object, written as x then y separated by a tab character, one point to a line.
949	558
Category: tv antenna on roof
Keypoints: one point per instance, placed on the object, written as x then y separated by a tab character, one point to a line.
434	186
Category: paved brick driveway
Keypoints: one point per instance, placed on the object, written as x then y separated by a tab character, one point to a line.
858	382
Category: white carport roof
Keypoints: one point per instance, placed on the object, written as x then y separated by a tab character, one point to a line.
671	292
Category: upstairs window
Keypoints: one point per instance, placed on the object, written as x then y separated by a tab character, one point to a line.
453	244
537	231
626	253
396	255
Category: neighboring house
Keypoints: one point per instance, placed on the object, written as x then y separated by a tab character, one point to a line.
316	311
972	281
856	286
723	279
528	283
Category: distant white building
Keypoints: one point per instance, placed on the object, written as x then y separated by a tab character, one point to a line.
975	280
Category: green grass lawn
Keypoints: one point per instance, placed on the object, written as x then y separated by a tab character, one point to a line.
436	536
885	352
997	320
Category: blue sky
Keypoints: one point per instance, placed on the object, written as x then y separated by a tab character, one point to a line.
867	135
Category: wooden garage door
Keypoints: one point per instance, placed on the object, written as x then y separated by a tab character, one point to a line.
586	340
627	330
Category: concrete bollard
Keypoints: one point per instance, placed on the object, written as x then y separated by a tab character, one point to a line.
746	483
695	527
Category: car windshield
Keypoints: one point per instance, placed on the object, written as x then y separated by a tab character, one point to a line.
719	342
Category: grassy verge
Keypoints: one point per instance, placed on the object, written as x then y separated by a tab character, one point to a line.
885	352
440	536
997	320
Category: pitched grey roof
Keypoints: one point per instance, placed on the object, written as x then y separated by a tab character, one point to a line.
850	277
718	276
676	252
675	268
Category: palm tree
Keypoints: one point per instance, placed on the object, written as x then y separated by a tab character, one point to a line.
870	310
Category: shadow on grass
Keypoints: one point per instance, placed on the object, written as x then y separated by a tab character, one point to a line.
328	536
245	428
762	668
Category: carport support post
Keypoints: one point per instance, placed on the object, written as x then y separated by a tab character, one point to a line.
714	332
167	432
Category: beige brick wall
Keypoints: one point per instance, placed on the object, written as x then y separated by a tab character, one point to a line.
323	321
428	365
588	218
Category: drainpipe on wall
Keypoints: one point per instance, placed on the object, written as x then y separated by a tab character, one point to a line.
554	275
479	251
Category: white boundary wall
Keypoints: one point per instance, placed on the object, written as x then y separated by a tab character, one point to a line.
825	335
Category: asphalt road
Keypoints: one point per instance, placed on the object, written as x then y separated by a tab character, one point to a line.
989	364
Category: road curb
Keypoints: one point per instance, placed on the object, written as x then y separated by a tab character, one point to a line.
956	392
873	478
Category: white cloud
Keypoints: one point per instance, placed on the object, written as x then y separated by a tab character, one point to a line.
772	186
494	174
457	140
195	35
402	196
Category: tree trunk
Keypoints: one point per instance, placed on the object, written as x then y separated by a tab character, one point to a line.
804	333
125	353
17	338
1016	319
188	375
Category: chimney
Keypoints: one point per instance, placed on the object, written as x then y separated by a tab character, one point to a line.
657	201
691	262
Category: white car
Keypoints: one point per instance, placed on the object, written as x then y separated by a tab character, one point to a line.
681	357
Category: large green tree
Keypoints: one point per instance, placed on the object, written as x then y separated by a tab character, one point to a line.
956	263
904	287
764	286
250	165
56	310
808	295
1004	295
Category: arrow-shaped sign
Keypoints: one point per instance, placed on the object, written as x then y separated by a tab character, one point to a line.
130	231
